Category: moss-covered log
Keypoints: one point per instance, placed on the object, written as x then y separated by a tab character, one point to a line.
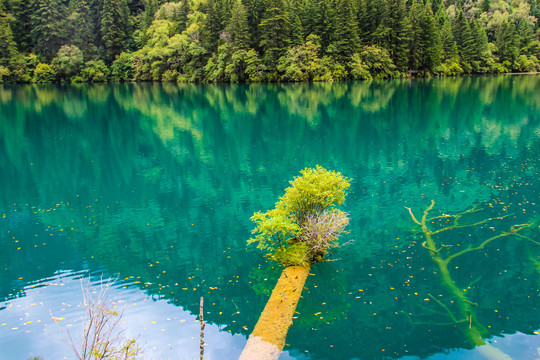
268	337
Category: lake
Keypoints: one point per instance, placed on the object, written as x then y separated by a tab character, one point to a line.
153	185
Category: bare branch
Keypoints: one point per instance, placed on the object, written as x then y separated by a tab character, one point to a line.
412	215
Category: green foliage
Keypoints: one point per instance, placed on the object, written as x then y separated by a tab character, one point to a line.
68	62
359	71
450	68
275	32
121	68
302	63
48	30
255	69
95	71
8	47
81	29
256	40
346	40
507	42
4	72
44	73
237	27
378	62
292	231
115	27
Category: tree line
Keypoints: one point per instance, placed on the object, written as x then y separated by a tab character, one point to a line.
264	40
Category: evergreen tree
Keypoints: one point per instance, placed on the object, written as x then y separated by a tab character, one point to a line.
181	16
464	39
48	27
115	27
327	27
96	7
416	40
482	54
371	18
526	37
425	48
81	33
507	42
8	47
255	12
150	9
449	46
322	21
297	30
432	41
436	5
485	5
23	11
346	39
275	32
212	26
238	28
393	32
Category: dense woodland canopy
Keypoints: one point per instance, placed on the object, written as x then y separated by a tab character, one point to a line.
264	40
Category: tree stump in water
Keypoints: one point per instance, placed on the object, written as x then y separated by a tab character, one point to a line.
268	337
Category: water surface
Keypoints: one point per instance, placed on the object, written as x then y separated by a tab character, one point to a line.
154	185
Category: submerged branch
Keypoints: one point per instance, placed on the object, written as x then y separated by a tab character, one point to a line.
513	231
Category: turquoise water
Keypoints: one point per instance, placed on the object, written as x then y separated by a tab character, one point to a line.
154	184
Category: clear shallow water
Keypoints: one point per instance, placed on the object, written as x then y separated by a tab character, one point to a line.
155	184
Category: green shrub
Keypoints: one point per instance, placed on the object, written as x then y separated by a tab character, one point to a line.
304	222
121	68
44	73
95	71
68	62
4	72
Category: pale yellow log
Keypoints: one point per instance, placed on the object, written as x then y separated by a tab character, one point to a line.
268	337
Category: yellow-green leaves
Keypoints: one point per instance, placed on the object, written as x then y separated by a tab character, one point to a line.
273	229
315	191
304	223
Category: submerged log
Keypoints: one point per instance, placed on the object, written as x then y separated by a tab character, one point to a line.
268	337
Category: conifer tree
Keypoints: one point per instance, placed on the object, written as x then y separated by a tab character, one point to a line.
48	27
150	9
181	16
485	5
81	34
432	40
394	31
8	47
238	28
481	46
346	40
255	12
275	33
507	42
329	24
212	26
297	30
416	40
526	37
464	39
449	46
23	11
115	27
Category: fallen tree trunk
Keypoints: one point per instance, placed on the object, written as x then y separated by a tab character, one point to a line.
268	337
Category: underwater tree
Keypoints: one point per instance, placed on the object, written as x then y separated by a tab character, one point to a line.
298	232
462	314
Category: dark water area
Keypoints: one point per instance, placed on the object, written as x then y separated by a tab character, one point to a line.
155	184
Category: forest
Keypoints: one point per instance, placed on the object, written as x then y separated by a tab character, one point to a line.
45	41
